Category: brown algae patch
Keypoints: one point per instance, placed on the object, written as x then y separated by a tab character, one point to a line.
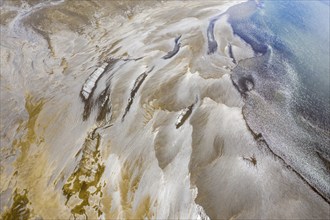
84	182
7	16
128	185
30	137
64	64
143	210
149	110
251	159
74	15
106	202
19	208
165	91
31	169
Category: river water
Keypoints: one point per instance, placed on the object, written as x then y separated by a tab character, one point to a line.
161	109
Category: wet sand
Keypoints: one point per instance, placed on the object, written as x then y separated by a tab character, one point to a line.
160	139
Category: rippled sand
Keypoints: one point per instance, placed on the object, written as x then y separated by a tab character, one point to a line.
157	133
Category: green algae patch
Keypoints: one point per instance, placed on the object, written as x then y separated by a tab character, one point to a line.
19	209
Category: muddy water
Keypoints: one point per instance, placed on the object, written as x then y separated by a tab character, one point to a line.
126	109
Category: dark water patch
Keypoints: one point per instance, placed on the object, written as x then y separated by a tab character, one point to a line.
175	49
253	28
237	18
231	54
134	90
133	59
104	99
137	84
104	105
90	85
184	115
212	43
245	84
91	82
